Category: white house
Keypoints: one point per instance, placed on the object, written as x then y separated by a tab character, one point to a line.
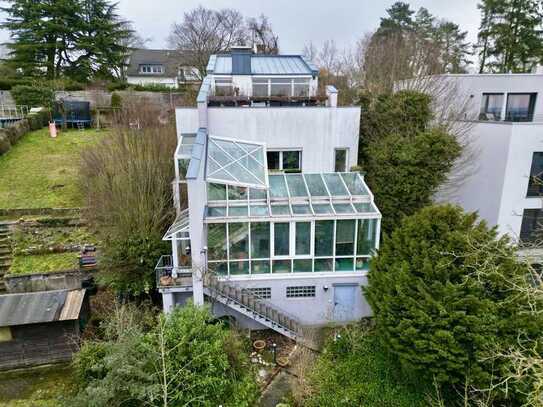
507	137
272	228
159	67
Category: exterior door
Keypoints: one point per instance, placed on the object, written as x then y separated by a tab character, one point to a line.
344	300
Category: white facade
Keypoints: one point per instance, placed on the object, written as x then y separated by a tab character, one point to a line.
504	147
150	80
313	288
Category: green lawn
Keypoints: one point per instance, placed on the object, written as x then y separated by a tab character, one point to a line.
41	172
44	263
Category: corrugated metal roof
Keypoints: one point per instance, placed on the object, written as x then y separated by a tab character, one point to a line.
37	307
267	65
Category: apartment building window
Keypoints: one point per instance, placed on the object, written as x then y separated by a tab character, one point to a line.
532	222
285	160
491	106
340	159
520	107
262	292
224	87
535	184
304	291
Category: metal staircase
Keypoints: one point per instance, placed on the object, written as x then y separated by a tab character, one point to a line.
252	306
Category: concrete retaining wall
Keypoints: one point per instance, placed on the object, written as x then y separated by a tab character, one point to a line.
68	280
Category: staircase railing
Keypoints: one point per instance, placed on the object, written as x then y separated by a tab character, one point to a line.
254	303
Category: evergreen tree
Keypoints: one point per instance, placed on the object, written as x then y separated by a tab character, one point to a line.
399	19
454	50
81	38
510	35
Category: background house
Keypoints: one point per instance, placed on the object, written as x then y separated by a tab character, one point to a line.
40	327
159	67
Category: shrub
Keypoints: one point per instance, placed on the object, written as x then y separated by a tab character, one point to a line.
116	100
355	369
5	144
113	86
441	291
37	95
154	87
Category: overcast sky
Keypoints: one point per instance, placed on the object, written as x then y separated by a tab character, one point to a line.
295	21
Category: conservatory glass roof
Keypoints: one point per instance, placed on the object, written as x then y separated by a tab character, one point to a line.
180	227
330	195
234	162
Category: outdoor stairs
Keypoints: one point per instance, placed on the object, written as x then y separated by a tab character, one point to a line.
254	307
5	254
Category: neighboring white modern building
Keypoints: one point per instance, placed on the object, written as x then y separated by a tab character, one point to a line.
159	67
277	233
507	136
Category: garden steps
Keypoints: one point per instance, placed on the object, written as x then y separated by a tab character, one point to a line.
5	253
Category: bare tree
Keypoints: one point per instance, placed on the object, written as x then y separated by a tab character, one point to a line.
204	32
262	35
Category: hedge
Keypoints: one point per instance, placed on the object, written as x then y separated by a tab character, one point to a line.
57	84
12	134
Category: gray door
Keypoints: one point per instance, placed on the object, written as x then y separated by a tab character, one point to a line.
344	299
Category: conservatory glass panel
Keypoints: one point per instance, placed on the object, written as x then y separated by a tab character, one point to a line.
281	239
279	210
322	209
324	264
216	192
362	264
345	237
255	194
278	187
237	211
324	238
335	185
237	193
259	210
354	183
230	161
316	185
301	209
291	161
216	211
364	207
343	208
281	266
260	266
239	267
301	87
260	240
296	185
238	235
280	87
303	266
366	236
218	267
216	241
303	238
343	264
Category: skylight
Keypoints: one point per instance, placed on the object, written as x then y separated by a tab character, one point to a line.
236	163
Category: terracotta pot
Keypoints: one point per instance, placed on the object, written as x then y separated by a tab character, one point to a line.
259	344
282	361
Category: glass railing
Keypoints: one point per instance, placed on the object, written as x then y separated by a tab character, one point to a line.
169	276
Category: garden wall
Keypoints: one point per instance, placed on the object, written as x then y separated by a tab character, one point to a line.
67	280
12	134
102	98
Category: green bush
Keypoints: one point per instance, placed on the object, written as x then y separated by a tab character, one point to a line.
443	291
116	100
5	144
9	83
202	362
152	88
113	86
355	369
38	95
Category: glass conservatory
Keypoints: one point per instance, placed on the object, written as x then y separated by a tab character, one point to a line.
302	223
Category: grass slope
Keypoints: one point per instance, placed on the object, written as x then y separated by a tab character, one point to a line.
44	263
41	172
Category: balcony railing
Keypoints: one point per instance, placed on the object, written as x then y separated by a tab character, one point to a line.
266	101
169	276
510	118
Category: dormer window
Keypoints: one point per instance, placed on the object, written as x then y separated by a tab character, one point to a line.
151	69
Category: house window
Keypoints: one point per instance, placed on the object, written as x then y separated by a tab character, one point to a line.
532	221
281	239
340	159
260	87
303	291
535	184
224	87
262	292
520	107
151	69
303	238
5	334
300	88
281	87
287	161
491	106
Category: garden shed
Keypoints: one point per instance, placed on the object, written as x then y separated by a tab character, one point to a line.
41	327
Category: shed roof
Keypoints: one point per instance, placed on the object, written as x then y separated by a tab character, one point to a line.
169	59
38	307
264	65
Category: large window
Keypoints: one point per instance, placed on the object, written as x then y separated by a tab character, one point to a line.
281	242
303	239
151	69
491	106
535	184
281	87
532	222
345	230
260	240
285	160
520	107
224	87
340	159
